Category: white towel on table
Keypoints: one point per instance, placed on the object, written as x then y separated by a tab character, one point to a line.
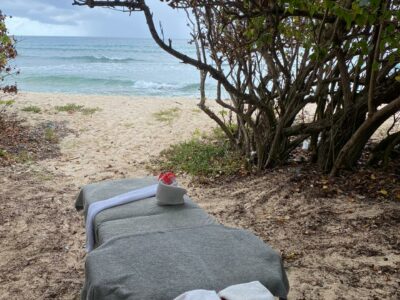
198	295
246	291
96	207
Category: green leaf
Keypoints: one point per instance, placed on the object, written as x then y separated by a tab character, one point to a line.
361	19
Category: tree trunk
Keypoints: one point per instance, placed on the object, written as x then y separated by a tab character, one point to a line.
383	150
351	151
344	124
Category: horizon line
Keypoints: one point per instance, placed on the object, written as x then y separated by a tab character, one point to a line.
94	36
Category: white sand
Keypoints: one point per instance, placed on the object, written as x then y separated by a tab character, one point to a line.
120	139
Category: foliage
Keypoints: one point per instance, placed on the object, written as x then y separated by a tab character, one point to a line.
88	111
73	108
167	115
32	108
7	102
50	135
204	156
7	52
23	157
4	104
3	152
69	108
277	59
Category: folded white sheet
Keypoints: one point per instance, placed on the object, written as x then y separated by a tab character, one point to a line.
199	295
96	207
246	291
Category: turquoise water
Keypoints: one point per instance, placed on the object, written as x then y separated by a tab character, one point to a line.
104	66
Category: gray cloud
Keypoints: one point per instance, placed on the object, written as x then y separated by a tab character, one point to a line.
60	17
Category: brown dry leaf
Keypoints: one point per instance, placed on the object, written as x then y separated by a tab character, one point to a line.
282	219
383	192
291	256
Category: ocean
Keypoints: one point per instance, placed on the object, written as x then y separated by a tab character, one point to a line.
107	66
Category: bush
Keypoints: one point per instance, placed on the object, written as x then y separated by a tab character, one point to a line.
203	157
7	53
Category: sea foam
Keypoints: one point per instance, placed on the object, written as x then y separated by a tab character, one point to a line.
105	66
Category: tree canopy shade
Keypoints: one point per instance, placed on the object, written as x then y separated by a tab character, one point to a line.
337	60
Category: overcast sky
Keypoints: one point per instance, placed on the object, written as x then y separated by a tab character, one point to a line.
60	18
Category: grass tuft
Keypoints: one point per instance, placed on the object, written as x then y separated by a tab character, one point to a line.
202	157
73	108
88	111
7	102
70	108
32	108
3	153
167	115
50	135
23	157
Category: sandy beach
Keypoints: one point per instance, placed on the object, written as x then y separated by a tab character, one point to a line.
119	138
337	248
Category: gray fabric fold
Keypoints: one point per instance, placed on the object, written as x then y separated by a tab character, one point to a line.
163	265
174	219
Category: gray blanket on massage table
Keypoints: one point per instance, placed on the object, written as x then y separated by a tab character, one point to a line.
145	251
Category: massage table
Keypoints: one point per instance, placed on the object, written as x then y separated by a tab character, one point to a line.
147	251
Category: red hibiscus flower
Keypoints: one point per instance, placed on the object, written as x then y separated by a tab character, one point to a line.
167	178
